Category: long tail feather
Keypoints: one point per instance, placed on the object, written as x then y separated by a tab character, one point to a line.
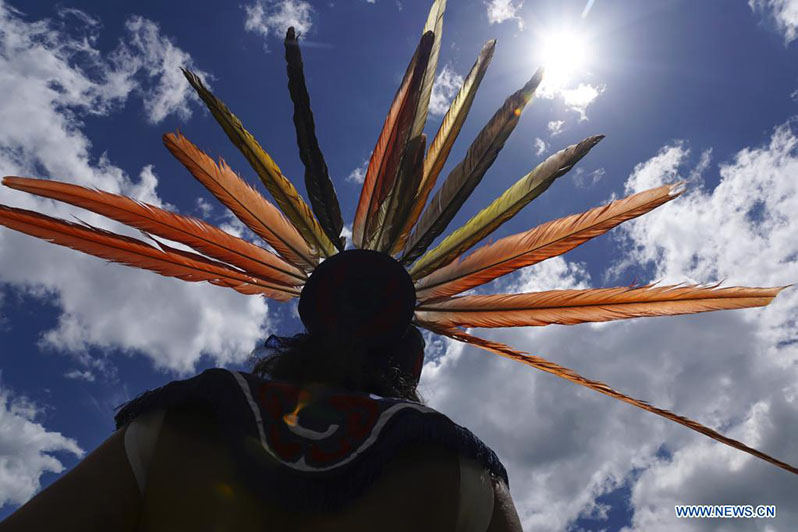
542	242
199	235
503	208
321	190
444	140
466	176
281	189
255	211
387	155
434	24
569	307
135	253
570	375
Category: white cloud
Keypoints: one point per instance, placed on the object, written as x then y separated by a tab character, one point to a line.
581	97
346	232
148	54
540	146
576	99
661	169
783	12
501	10
77	374
358	175
51	79
26	449
203	207
555	127
736	370
274	17
584	179
444	89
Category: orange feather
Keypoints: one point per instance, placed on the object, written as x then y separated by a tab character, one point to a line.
542	242
135	253
386	157
570	375
193	232
255	211
569	307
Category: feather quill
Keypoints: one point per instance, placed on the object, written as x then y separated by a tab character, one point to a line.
542	242
318	184
387	155
444	140
135	253
199	235
281	189
462	180
569	307
570	375
503	208
255	211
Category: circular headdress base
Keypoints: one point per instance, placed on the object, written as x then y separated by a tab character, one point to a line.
358	296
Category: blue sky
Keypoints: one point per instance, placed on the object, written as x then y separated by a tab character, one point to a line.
706	91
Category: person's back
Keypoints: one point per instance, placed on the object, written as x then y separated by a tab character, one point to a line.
420	489
188	482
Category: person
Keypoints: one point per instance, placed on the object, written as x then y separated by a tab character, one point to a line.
327	432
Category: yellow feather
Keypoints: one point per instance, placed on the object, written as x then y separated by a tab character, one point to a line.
281	189
503	208
444	139
547	240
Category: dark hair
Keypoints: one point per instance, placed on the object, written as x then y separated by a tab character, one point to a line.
303	358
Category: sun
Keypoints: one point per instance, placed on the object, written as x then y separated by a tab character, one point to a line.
564	54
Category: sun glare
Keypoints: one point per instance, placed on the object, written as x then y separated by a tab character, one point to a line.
564	55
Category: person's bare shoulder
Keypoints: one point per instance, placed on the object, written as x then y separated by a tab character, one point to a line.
505	517
98	494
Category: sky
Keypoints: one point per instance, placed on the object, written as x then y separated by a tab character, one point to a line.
702	91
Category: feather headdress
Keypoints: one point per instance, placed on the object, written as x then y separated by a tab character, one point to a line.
392	217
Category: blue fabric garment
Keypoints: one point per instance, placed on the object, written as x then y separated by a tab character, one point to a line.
310	448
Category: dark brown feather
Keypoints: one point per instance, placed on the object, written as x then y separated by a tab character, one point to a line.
320	188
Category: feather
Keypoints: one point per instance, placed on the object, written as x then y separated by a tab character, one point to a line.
255	211
199	235
394	209
542	242
318	184
503	208
444	140
570	375
135	253
386	157
569	307
462	180
281	189
435	25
